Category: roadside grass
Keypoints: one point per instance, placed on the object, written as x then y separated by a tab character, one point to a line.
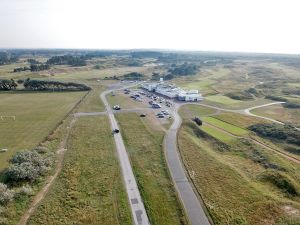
37	114
89	190
92	102
218	134
230	181
144	146
191	111
226	126
238	120
124	101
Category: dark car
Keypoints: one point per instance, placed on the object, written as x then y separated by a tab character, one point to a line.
198	121
143	115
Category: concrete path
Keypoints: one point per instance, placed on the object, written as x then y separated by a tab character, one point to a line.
192	205
136	204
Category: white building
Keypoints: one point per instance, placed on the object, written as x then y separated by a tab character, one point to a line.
171	91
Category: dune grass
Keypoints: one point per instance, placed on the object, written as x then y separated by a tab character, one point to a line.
230	182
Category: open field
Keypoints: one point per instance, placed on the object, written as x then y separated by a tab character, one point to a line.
226	126
36	115
231	183
278	112
89	189
191	111
144	146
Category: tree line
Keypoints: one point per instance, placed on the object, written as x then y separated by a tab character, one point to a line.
42	85
7	58
68	60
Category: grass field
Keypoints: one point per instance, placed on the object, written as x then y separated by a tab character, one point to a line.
89	189
190	111
230	182
144	146
222	100
226	126
37	114
92	102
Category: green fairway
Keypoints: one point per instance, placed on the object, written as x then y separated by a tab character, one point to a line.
36	115
89	189
218	134
226	126
144	146
92	102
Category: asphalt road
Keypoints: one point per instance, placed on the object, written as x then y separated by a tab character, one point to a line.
136	204
192	205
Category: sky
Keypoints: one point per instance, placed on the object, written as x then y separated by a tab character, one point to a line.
270	26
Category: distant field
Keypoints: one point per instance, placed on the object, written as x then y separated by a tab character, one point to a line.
89	189
144	146
190	111
278	112
230	182
37	114
226	126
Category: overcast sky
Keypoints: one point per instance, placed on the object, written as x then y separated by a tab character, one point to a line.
218	25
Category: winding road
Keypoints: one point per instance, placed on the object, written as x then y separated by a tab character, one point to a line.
193	207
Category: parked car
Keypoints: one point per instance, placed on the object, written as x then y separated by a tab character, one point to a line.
156	106
165	112
161	116
143	115
116	107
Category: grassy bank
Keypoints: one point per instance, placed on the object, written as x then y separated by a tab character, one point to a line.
144	146
231	178
89	189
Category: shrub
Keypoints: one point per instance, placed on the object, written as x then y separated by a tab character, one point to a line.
27	165
41	149
6	195
280	181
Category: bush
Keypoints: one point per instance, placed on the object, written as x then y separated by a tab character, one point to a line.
280	181
27	165
25	190
6	195
41	149
276	131
276	98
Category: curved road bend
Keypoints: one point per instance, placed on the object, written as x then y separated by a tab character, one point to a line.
189	199
136	204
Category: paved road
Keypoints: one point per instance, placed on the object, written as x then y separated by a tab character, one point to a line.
137	206
190	200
